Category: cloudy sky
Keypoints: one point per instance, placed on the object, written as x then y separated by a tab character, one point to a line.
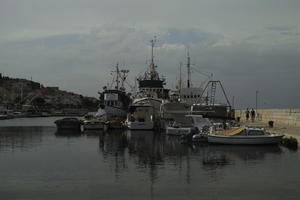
74	44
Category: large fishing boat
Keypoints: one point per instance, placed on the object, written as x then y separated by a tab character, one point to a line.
183	97
114	98
151	86
151	90
189	94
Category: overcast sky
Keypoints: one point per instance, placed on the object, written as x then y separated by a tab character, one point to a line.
74	44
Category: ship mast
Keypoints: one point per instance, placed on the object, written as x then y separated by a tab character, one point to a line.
117	70
153	73
188	68
180	79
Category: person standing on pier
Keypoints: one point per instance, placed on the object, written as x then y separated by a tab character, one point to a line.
252	115
247	113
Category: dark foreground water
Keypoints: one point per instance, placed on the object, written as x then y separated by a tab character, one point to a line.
36	162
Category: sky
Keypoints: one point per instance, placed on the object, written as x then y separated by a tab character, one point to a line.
253	47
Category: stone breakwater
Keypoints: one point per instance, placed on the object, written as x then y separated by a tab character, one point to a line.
282	117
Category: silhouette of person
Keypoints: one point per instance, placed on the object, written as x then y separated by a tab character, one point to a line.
247	113
252	114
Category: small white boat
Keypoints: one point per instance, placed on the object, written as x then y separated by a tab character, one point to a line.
191	124
243	135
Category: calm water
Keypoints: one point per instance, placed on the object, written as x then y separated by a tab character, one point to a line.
38	163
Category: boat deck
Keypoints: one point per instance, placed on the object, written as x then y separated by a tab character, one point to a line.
231	132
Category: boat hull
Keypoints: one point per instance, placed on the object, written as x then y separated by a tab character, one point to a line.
178	131
140	125
69	124
93	126
264	139
113	112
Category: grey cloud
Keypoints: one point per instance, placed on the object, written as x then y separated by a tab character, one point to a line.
82	62
290	33
190	36
280	28
89	37
55	41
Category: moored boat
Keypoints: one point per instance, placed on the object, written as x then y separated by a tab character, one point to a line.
244	135
69	123
190	124
92	122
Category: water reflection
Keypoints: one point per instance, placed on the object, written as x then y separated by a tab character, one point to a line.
97	164
151	152
68	133
240	152
152	149
20	138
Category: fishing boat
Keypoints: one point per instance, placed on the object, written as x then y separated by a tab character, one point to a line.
114	98
189	124
181	101
151	86
243	135
189	94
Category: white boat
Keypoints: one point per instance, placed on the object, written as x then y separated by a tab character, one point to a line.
243	135
190	124
141	117
155	102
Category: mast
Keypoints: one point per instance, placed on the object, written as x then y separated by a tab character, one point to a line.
152	65
188	68
117	70
180	80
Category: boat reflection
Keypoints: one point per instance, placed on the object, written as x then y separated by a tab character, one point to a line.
93	132
68	133
20	138
151	149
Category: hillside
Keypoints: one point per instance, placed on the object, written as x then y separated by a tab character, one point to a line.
19	92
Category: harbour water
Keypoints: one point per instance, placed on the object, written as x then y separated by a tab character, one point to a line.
36	162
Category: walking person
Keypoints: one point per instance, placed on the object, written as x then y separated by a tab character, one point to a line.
252	115
247	113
